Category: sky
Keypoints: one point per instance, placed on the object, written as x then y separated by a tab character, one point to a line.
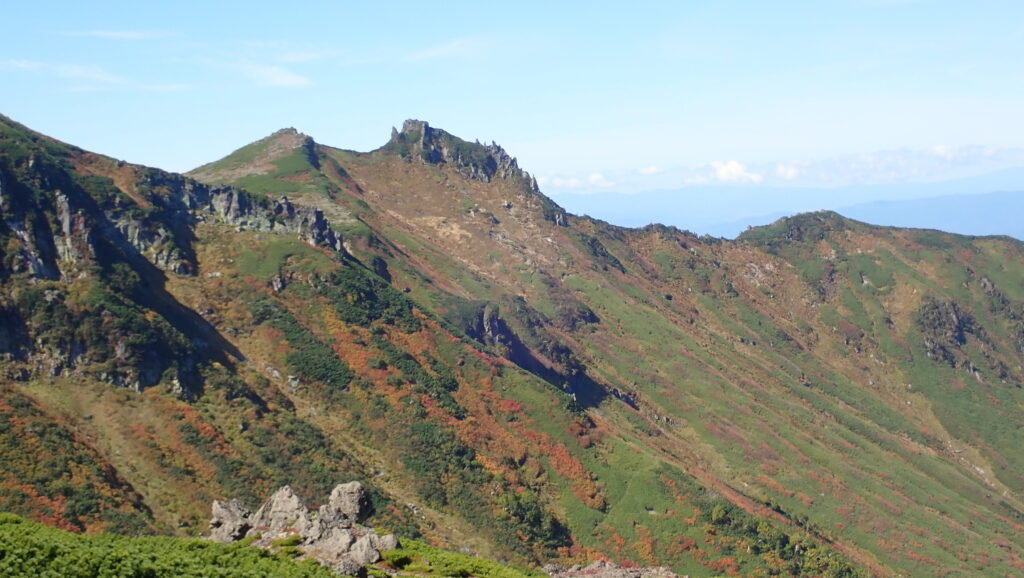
591	96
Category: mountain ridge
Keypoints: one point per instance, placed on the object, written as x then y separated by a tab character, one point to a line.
641	394
724	210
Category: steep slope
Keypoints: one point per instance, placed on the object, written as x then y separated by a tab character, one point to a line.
242	286
808	371
90	248
507	377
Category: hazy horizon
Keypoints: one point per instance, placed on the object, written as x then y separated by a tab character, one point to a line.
649	96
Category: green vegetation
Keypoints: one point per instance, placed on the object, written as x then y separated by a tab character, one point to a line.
593	246
284	163
102	318
360	298
45	460
31	549
308	356
652	397
417	558
439	383
269	259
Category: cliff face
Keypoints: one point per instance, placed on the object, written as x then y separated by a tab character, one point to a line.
67	228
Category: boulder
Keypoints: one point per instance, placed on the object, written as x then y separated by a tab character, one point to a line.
363	551
384	542
284	510
349	500
230	521
330	535
348	567
332	545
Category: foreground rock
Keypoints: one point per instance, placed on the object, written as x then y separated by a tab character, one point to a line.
603	569
331	535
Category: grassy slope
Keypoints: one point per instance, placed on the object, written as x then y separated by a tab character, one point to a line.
418	272
33	549
766	380
757	375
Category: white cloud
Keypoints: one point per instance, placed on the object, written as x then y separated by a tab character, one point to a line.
734	172
88	77
270	75
566	183
944	151
20	64
122	34
786	172
299	56
937	163
88	73
561	182
179	87
456	48
930	164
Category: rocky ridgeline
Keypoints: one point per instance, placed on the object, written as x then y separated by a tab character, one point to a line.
160	233
475	161
605	569
280	216
59	226
331	535
188	201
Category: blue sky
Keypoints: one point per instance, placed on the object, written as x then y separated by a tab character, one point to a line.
590	96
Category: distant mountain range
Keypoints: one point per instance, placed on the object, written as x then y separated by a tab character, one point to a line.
984	205
987	214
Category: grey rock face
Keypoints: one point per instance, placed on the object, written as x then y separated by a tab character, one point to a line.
155	228
347	567
282	511
363	552
482	163
230	521
280	217
349	499
384	542
330	535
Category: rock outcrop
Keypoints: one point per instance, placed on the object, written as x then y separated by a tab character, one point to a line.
230	521
156	226
331	535
607	569
68	216
476	161
281	216
472	160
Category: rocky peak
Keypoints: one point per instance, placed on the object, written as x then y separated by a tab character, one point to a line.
286	139
417	129
473	160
